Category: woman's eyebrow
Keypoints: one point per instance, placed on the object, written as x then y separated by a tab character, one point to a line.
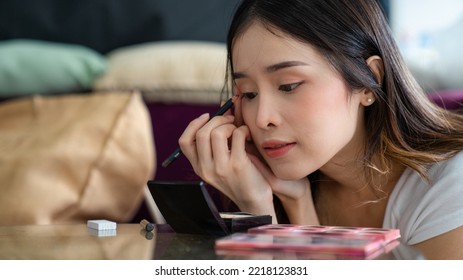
273	68
285	64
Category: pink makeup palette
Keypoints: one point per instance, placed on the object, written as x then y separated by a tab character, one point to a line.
348	241
386	235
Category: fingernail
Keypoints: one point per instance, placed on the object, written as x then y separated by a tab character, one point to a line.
203	116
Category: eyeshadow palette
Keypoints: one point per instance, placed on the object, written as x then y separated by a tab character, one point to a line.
321	239
384	234
285	254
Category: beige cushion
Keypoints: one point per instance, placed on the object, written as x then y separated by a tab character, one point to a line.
70	158
172	71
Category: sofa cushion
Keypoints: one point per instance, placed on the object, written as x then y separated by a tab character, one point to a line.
171	71
39	67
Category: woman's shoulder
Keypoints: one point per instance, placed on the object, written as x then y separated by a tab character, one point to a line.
448	170
444	173
423	209
458	157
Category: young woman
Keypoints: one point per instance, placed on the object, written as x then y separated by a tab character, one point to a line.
329	122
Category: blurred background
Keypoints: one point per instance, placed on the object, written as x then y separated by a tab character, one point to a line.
429	32
430	35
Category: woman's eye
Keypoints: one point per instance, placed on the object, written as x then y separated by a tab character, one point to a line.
289	87
249	95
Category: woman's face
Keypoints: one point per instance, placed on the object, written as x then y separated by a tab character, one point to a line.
300	113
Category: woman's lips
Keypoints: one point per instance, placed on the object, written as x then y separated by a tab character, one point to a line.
275	149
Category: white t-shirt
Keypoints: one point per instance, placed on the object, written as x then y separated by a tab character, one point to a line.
423	210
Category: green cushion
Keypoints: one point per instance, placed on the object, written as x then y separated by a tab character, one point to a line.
40	67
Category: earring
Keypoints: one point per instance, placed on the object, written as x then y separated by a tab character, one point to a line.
369	100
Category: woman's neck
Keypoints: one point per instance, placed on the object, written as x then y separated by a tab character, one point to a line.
346	197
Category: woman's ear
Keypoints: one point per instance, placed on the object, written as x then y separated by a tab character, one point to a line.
376	65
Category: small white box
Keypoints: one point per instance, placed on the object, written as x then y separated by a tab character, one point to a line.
102	233
101	225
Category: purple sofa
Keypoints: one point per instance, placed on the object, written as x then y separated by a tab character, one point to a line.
449	99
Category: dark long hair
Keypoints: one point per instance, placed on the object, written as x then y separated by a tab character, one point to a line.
403	125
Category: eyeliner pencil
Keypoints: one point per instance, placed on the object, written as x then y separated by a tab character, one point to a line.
225	107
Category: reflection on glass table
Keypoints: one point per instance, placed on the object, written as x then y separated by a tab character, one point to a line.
130	242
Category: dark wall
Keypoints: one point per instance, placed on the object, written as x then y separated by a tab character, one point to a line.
107	24
199	19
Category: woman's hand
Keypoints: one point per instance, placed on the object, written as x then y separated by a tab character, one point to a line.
227	167
296	196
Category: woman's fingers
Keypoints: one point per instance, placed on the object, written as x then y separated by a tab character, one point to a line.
240	136
237	110
196	141
263	168
220	138
187	140
204	141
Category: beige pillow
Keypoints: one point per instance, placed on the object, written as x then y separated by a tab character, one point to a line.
70	158
170	71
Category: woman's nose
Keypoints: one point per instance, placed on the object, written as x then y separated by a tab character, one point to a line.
267	112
